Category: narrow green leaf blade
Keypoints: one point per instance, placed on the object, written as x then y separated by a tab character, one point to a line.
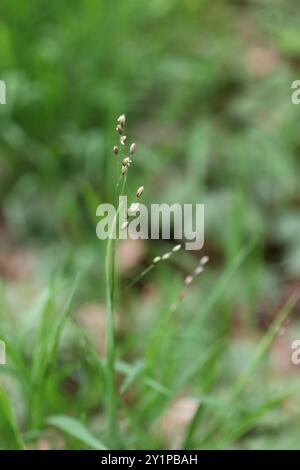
76	429
10	436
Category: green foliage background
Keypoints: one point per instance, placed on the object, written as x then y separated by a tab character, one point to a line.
206	87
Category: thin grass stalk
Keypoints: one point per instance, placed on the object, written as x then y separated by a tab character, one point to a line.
110	348
111	391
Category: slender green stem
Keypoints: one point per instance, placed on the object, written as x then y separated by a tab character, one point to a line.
110	348
112	397
139	277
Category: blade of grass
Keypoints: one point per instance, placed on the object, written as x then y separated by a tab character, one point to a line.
262	348
232	433
46	356
244	378
11	438
221	285
76	429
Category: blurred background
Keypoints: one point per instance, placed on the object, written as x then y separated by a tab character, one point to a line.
206	88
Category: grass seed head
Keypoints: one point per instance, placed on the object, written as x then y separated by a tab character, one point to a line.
166	256
188	280
140	191
123	139
116	150
119	129
204	260
199	270
133	209
132	148
125	225
176	248
126	161
122	120
156	260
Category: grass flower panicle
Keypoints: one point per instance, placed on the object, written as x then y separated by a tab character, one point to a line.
113	398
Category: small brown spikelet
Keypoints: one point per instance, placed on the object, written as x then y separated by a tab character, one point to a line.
176	248
204	260
188	280
125	225
126	161
132	148
122	120
140	191
199	270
